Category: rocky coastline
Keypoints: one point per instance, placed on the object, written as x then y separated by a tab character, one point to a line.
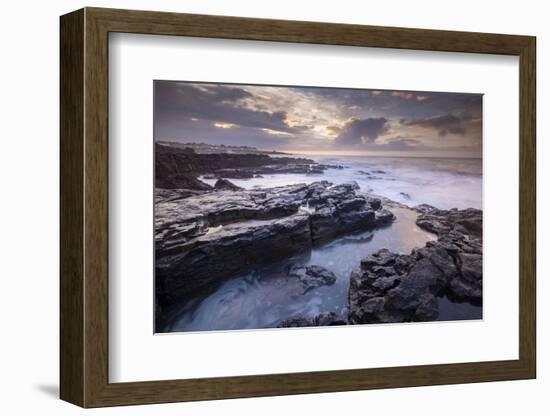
391	287
203	239
179	168
205	235
388	287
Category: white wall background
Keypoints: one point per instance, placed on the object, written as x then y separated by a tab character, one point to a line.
29	209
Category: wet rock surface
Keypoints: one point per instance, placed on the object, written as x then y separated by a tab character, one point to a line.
312	276
205	238
323	319
225	185
391	287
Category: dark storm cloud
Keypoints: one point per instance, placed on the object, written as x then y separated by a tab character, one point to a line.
402	143
217	103
362	131
461	131
416	104
443	124
225	94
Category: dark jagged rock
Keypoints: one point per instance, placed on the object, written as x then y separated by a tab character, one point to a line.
296	321
185	265
172	195
383	216
234	173
329	319
323	319
342	209
425	208
290	165
311	277
224	184
468	221
205	239
182	181
390	287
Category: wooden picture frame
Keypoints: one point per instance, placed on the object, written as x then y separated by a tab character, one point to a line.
84	207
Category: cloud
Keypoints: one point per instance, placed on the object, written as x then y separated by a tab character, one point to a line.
206	131
219	104
224	125
407	95
316	118
443	124
461	131
362	131
403	94
226	94
403	143
333	131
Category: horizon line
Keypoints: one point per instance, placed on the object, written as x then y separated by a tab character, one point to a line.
343	153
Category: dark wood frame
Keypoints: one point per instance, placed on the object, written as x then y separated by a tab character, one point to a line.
84	208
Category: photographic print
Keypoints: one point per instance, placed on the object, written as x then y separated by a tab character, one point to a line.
294	206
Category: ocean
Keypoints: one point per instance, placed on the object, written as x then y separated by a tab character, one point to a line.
263	298
442	182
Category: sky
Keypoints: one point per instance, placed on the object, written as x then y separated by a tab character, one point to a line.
320	120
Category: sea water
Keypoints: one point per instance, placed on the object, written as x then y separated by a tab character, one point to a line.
265	297
442	182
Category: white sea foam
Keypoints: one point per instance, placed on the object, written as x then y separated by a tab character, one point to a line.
213	230
442	182
307	208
